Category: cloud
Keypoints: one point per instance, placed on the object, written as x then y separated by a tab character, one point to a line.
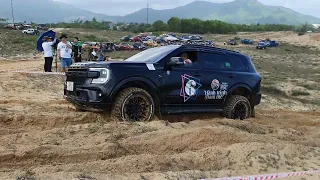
123	7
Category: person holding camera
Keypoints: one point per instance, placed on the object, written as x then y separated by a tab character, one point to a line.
64	50
48	52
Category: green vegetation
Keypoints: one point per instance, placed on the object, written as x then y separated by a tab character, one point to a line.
175	24
302	30
299	93
3	22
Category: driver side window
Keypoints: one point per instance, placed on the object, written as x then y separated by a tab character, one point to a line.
190	58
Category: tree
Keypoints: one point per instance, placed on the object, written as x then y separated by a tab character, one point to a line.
160	26
174	24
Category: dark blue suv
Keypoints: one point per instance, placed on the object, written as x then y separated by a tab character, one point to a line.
168	79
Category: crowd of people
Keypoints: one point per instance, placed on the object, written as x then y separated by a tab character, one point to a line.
66	51
69	52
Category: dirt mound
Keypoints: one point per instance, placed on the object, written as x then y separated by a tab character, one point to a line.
316	37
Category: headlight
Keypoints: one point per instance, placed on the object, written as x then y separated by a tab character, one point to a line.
104	75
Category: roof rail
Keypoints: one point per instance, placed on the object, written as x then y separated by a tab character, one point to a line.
209	47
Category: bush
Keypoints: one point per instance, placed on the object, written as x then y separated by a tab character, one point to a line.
299	93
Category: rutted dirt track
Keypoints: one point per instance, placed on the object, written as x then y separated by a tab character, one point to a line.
42	136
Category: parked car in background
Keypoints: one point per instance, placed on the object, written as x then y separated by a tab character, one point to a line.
170	38
151	43
232	42
135	39
30	31
209	43
125	46
144	39
247	41
139	46
194	37
262	45
273	44
125	38
172	34
143	34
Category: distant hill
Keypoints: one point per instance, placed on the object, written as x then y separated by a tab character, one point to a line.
43	11
238	11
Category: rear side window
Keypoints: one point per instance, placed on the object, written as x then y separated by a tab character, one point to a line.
222	62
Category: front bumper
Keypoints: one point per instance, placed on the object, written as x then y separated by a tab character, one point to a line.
88	98
256	99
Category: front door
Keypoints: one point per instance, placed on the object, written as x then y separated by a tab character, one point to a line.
183	83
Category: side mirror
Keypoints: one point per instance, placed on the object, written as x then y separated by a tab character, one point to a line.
175	61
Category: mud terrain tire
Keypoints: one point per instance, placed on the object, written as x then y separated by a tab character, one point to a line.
133	104
237	107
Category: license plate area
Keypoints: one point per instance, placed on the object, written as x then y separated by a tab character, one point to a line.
70	86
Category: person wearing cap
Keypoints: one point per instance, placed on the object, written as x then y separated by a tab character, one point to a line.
48	53
76	49
64	51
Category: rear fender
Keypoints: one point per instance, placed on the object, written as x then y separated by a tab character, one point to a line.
236	86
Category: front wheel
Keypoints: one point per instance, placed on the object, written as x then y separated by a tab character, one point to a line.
237	107
133	104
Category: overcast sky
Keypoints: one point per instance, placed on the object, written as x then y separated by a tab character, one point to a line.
123	7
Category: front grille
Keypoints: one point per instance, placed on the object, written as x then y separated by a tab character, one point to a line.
77	75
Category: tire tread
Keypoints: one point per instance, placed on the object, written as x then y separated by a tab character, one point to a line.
227	111
116	108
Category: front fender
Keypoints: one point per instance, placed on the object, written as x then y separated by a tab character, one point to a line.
149	83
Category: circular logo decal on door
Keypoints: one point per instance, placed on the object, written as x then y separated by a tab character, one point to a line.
215	84
190	88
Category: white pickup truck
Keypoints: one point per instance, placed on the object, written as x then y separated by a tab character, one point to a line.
30	31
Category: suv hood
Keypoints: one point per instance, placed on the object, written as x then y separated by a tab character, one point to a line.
107	64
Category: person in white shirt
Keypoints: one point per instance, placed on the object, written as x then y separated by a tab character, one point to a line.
48	53
64	51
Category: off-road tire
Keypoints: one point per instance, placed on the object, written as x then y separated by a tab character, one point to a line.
118	109
232	102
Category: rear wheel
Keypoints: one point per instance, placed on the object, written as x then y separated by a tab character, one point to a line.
133	104
237	107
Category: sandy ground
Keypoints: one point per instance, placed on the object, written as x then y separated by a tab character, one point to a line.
43	137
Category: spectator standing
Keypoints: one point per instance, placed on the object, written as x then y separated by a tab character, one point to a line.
77	49
48	53
64	52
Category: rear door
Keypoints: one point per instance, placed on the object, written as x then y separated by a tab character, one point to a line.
220	72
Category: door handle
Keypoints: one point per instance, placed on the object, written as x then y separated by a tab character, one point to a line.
231	75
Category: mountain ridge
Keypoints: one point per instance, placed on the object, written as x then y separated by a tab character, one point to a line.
237	11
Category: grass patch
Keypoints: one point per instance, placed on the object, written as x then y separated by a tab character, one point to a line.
294	49
84	176
299	93
309	87
271	90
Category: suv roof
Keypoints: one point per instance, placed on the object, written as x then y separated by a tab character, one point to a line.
208	48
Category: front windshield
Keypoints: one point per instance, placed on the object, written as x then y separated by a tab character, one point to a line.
152	55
